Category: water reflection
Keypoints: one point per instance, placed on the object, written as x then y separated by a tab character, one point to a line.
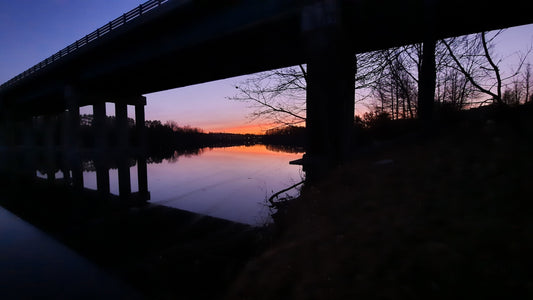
232	183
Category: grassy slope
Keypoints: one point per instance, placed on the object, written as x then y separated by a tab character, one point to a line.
450	217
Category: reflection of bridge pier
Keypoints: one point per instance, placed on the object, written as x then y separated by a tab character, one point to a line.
52	142
72	168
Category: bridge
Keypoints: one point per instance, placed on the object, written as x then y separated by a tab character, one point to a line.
164	44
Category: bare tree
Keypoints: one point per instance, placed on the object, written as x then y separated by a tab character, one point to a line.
454	88
395	89
466	68
402	73
279	95
527	82
479	64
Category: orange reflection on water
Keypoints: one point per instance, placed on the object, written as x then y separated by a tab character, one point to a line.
261	150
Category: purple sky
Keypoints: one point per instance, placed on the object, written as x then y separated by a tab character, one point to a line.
32	30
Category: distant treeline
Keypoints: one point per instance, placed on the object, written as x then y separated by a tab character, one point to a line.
164	137
285	135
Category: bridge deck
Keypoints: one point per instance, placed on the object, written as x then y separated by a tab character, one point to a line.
186	42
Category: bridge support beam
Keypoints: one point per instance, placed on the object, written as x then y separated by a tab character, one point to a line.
102	174
140	131
8	130
49	124
428	71
100	130
331	72
426	81
142	178
71	135
28	132
121	115
99	124
124	179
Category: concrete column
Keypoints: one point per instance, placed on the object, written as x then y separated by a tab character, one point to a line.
121	115
49	129
124	179
426	81
428	72
139	123
64	130
142	177
72	99
66	175
50	175
99	123
102	174
331	70
140	132
29	134
28	163
77	172
72	133
100	131
8	130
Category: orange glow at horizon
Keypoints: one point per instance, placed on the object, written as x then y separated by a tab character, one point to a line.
244	129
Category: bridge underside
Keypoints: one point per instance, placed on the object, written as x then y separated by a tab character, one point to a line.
189	42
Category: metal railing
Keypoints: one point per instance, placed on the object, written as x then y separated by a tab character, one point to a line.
102	31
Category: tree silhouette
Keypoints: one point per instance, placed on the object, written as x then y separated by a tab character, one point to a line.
279	95
480	65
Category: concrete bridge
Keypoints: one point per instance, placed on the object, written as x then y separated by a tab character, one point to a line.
164	44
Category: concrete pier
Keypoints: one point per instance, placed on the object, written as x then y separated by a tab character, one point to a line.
331	69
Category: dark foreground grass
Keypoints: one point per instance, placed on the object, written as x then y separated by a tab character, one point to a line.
441	217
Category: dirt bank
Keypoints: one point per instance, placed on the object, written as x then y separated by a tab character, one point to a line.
446	215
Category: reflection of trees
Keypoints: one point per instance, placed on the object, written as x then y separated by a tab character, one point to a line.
88	163
184	152
285	148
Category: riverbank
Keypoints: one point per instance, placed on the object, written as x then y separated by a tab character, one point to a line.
439	216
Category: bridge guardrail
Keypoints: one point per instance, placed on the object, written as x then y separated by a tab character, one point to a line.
116	23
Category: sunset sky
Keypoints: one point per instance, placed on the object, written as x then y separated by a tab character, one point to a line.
32	30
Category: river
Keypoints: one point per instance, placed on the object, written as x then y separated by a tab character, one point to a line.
231	183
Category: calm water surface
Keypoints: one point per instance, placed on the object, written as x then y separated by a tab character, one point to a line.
231	183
